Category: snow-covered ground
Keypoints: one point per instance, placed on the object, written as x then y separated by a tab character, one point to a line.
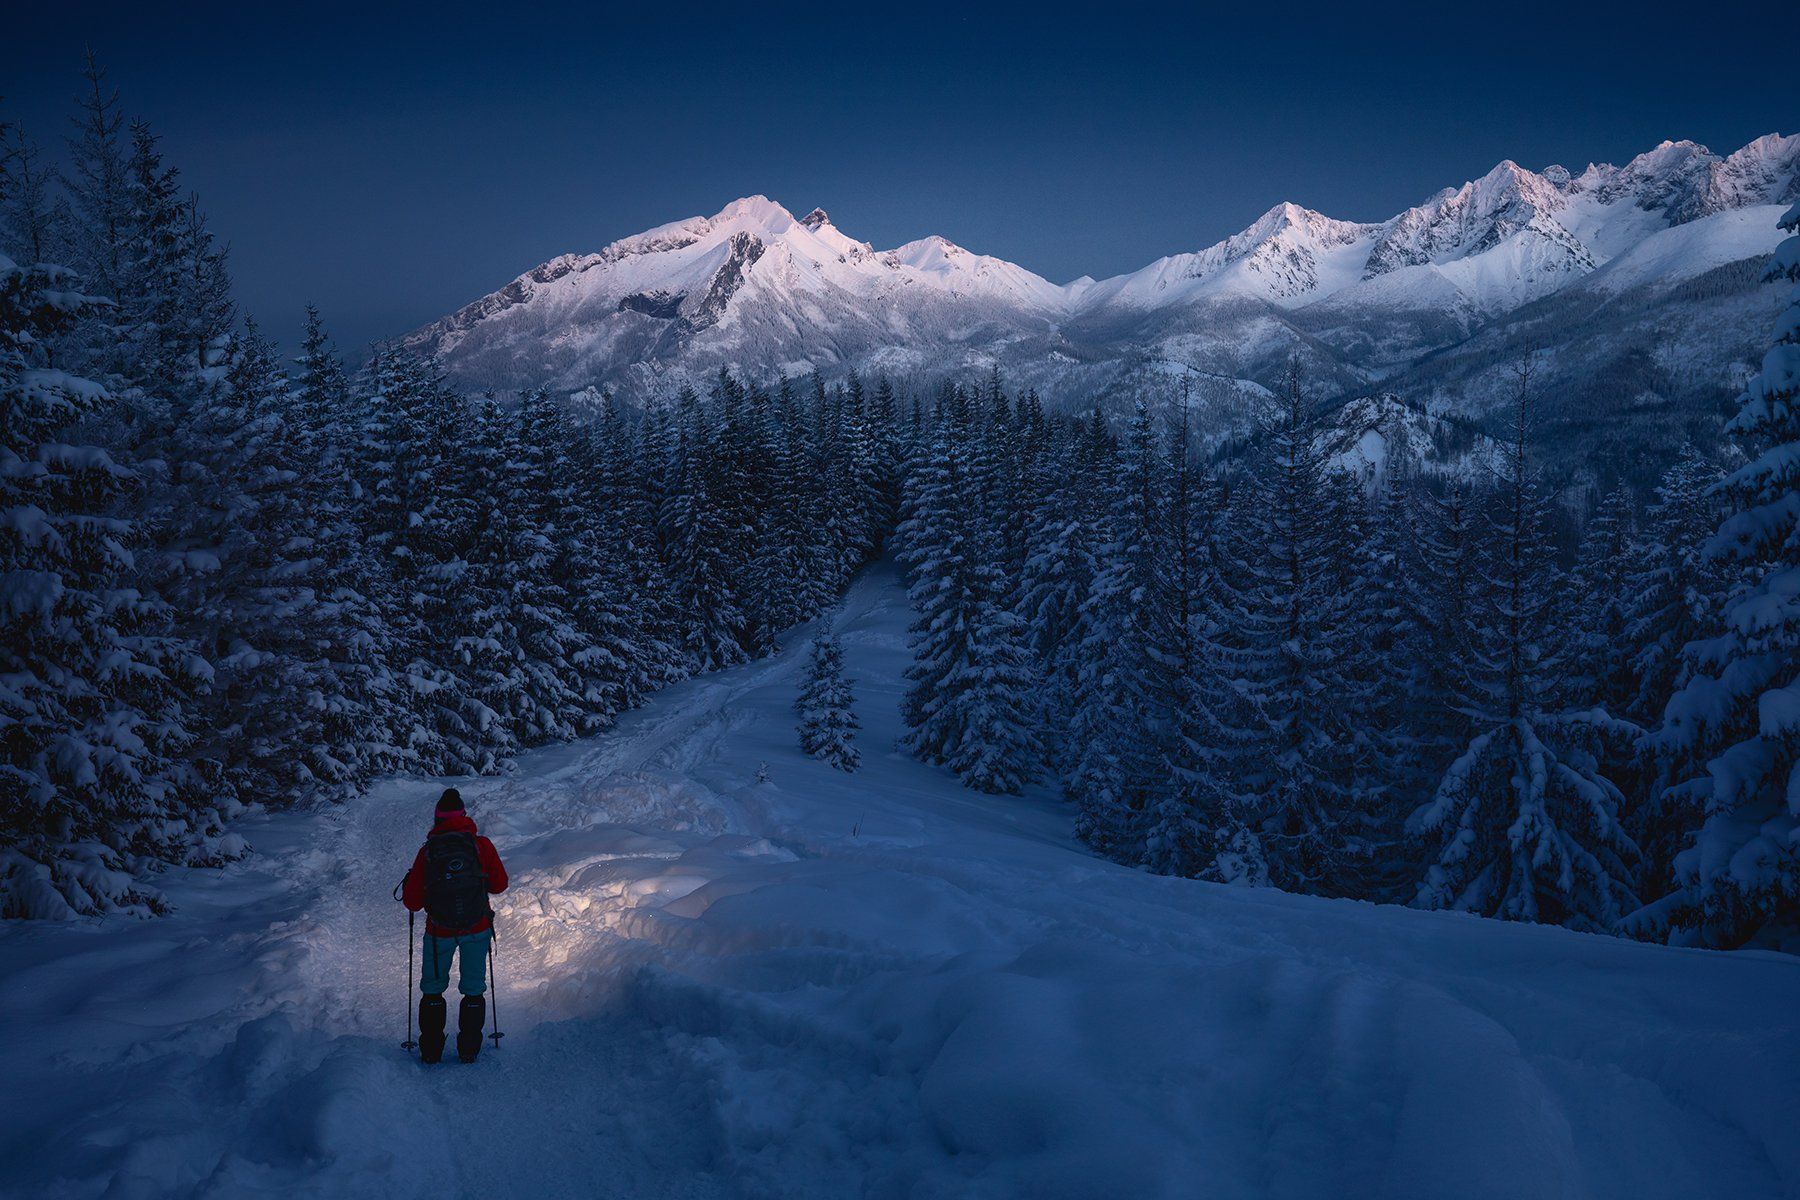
872	985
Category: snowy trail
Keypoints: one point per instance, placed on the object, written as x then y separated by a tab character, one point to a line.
870	985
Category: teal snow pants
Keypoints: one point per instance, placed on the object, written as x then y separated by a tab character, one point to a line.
471	948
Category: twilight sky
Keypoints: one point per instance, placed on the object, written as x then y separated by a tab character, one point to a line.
390	164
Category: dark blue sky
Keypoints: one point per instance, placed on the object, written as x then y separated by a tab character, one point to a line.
391	164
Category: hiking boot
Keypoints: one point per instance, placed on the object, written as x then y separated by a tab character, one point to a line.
432	1013
468	1027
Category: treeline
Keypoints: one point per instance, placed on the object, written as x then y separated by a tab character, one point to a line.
1391	688
226	580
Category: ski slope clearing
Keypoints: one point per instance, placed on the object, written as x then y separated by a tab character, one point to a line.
830	985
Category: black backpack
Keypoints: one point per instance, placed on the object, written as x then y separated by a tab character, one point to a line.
455	884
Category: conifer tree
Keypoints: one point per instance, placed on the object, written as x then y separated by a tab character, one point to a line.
1065	534
400	460
1673	591
254	607
1601	655
31	225
527	553
1125	726
1444	605
1199	822
826	706
491	709
1295	626
1524	825
1378	665
1731	735
361	706
95	691
787	592
99	224
625	600
704	542
969	704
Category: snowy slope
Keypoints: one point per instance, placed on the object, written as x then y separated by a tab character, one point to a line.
755	289
749	284
826	985
1683	251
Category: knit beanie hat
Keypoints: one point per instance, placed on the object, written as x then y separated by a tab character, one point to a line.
449	802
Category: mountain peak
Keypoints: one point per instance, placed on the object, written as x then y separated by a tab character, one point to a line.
930	252
756	211
1309	223
1284	214
816	218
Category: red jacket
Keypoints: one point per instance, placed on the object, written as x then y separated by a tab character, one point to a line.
412	893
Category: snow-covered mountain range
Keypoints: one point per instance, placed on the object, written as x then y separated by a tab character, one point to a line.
1643	273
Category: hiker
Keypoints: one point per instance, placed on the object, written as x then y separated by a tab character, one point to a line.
455	872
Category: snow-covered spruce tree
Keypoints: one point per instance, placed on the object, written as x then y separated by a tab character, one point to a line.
787	594
1443	603
401	463
549	463
98	226
969	706
94	689
32	219
204	319
520	552
1523	825
764	510
151	278
1294	622
1126	724
361	706
1673	592
582	623
888	460
1004	465
833	522
705	546
465	599
861	496
1197	824
180	414
251	596
175	304
1731	735
1601	652
626	601
826	705
1065	532
1380	666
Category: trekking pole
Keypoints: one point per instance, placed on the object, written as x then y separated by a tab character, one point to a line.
409	1043
494	974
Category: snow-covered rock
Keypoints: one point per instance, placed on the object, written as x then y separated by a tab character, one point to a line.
1372	435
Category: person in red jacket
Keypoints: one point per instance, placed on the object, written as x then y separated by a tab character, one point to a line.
452	876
